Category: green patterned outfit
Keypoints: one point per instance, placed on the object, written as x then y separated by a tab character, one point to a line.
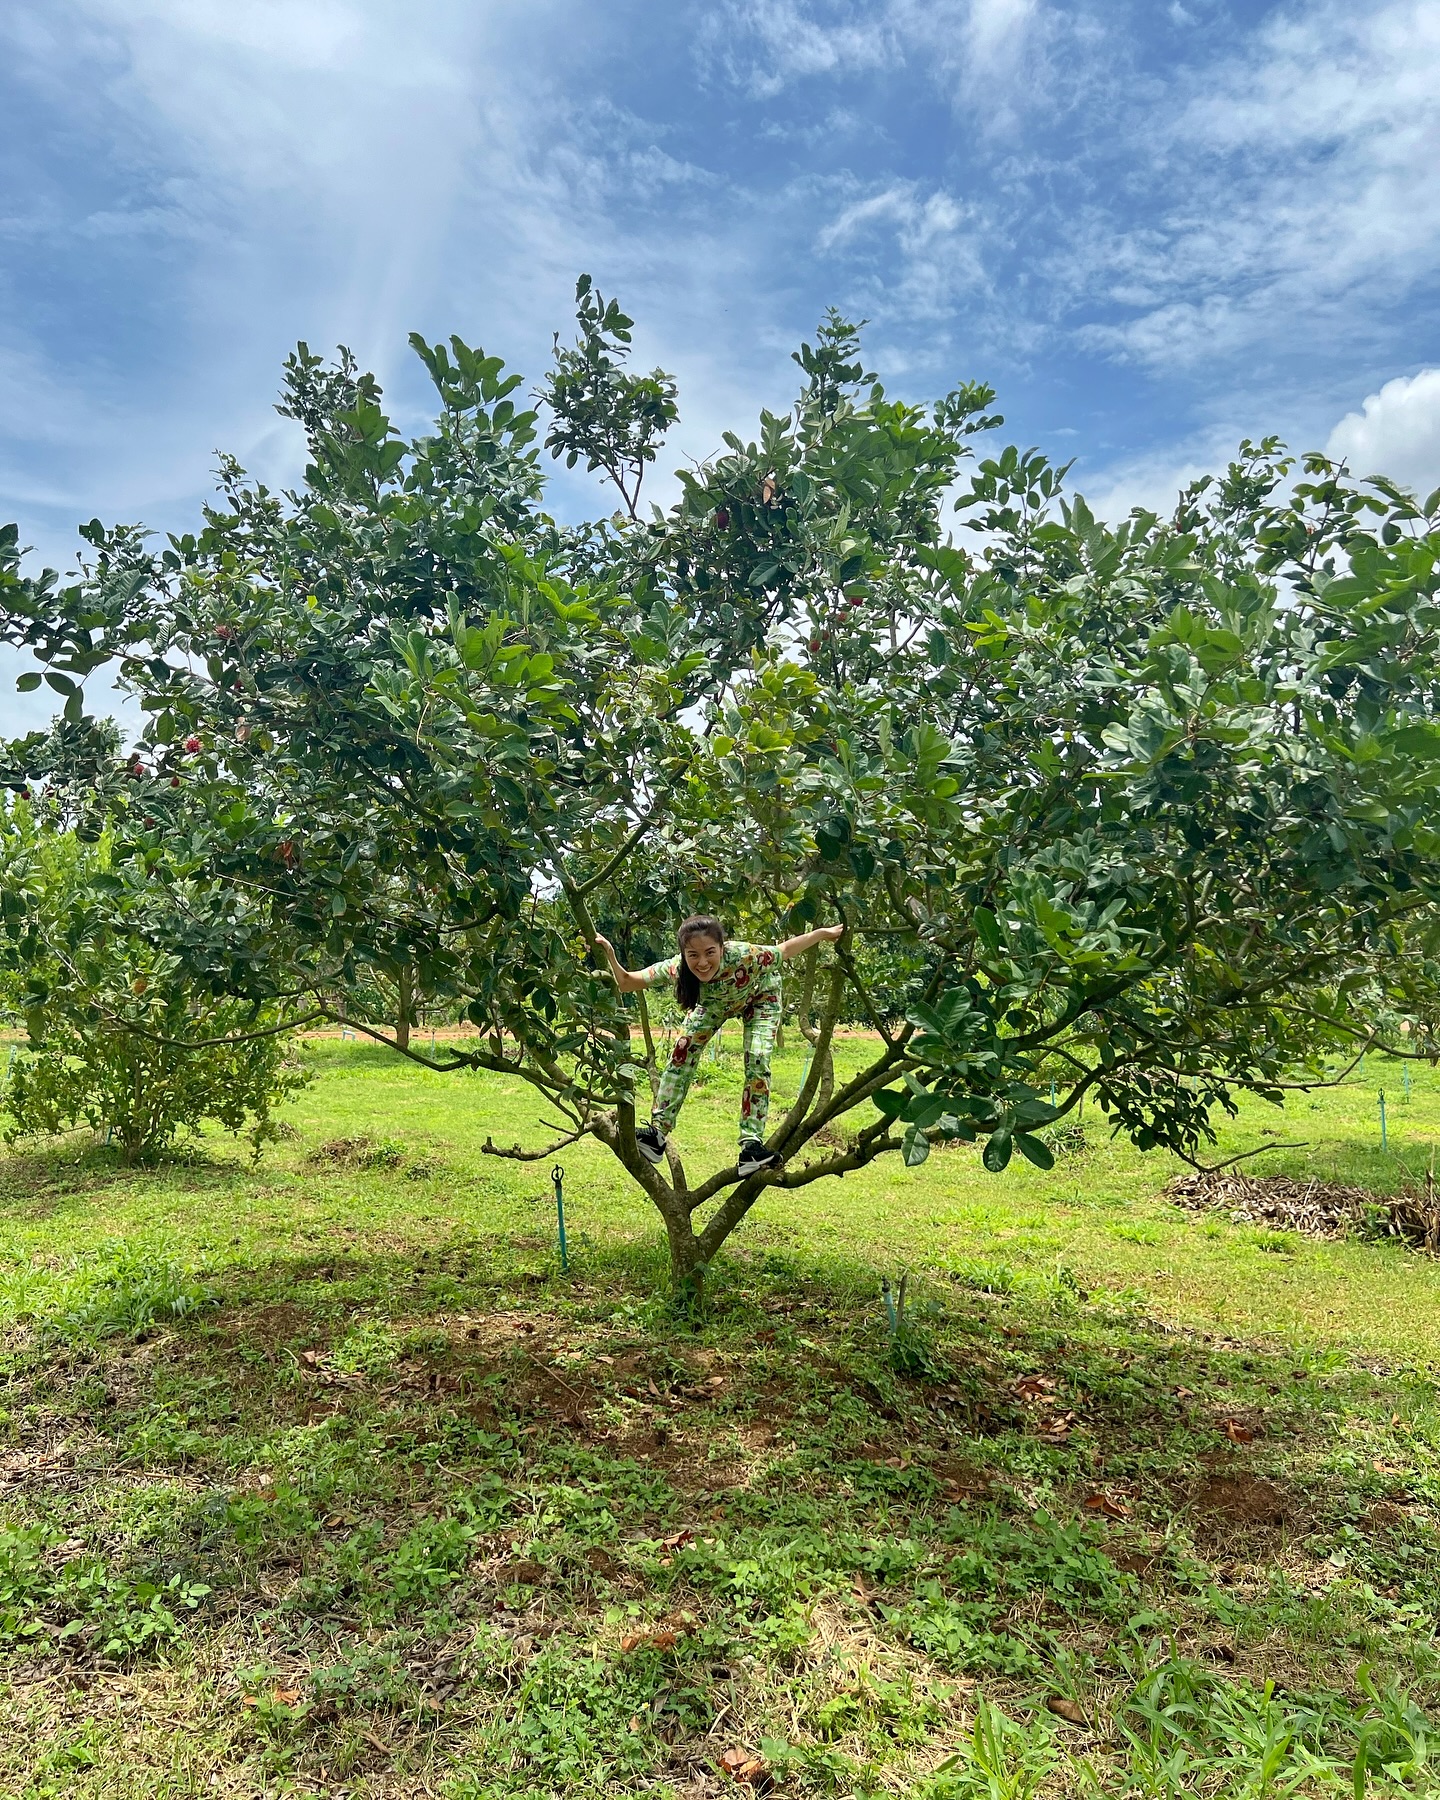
747	988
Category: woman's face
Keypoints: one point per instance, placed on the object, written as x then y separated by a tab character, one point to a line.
703	957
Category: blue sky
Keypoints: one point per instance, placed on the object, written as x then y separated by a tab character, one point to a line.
1153	228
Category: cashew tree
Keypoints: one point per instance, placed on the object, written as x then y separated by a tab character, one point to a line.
1145	810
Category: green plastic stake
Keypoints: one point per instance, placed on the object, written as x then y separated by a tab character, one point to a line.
557	1175
1405	1080
1052	1093
1383	1143
889	1300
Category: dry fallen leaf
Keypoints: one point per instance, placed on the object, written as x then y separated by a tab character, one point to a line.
677	1539
286	1696
1236	1432
742	1766
661	1639
1184	1393
1107	1504
1034	1387
1065	1709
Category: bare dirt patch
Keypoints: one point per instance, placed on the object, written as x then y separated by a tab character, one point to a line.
1230	1506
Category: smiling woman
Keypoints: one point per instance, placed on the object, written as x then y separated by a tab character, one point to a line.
718	979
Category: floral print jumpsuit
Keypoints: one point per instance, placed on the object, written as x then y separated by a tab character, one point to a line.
748	988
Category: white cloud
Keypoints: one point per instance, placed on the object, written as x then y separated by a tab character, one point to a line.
763	45
909	254
1297	191
1396	433
766	45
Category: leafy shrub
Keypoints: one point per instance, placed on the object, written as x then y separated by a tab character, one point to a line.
89	1065
1066	1138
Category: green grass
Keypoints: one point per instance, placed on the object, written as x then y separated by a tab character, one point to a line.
318	1477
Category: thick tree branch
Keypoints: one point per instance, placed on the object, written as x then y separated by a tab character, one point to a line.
516	1154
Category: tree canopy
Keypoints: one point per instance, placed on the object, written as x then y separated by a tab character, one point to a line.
1148	809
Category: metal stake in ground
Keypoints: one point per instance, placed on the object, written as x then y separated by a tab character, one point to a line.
1383	1143
557	1175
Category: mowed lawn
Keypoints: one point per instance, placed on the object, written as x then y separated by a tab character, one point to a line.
318	1476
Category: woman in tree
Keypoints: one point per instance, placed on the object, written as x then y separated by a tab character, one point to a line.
718	979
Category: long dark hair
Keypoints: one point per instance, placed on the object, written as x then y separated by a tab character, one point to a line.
687	982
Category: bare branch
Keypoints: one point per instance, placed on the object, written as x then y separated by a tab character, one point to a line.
1244	1156
243	1037
516	1154
819	1056
629	844
471	1059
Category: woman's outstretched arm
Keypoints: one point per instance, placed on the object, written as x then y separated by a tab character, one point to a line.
627	982
822	934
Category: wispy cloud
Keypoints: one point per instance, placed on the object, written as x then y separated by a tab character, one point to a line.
1161	228
968	45
1291	192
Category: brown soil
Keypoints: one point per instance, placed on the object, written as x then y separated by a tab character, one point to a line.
1239	1504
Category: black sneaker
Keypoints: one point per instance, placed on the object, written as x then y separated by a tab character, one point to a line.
754	1157
650	1142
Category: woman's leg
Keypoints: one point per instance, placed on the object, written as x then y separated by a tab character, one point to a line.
762	1017
699	1026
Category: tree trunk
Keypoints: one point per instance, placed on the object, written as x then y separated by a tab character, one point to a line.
405	986
687	1259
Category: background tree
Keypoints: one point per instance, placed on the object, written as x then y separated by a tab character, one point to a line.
118	1039
1152	804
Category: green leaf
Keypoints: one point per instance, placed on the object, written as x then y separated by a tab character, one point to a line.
925	1110
1034	1151
914	1148
29	681
891	1102
987	929
998	1149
